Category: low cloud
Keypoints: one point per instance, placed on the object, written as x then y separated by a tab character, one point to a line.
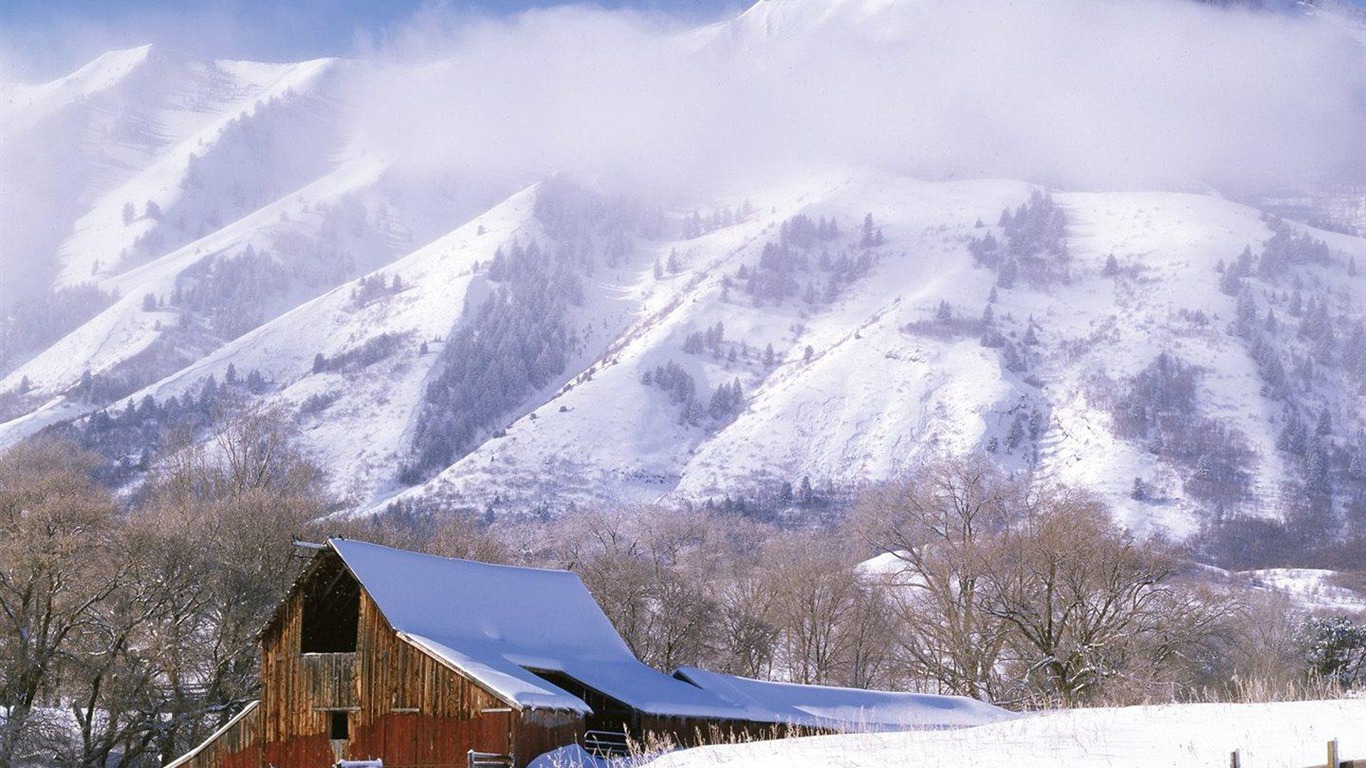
1093	94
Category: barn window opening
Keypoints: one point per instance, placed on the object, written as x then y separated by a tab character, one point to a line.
331	611
610	715
339	730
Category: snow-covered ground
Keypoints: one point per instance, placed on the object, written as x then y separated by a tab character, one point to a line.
1280	735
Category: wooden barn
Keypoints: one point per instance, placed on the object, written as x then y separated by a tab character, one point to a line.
417	660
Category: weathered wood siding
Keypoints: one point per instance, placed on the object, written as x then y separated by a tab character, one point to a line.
397	676
297	690
539	731
330	680
238	745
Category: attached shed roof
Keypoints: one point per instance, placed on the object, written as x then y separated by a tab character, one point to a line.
494	622
845	709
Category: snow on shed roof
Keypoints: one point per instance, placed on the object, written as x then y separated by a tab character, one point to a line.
493	622
846	709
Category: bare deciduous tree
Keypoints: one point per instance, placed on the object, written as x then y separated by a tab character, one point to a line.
816	595
57	536
1079	594
231	508
941	524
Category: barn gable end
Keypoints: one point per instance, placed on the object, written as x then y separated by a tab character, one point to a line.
384	698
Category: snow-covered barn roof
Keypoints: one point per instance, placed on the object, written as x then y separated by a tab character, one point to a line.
845	709
496	622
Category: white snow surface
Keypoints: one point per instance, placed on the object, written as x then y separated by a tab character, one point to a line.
874	399
847	709
493	622
574	756
1310	586
1279	735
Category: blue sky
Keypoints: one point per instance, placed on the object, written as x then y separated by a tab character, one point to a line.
46	38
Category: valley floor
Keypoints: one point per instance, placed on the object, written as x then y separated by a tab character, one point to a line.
1279	735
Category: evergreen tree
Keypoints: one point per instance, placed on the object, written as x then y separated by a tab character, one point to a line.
1015	435
1324	426
869	235
785	494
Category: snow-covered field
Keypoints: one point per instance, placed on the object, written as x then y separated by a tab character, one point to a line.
1280	735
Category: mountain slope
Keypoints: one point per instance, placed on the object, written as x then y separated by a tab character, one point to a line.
513	343
886	384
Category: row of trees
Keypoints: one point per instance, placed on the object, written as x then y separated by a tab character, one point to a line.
988	587
724	404
128	634
695	224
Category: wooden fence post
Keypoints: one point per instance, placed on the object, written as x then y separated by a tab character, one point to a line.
1333	760
1235	760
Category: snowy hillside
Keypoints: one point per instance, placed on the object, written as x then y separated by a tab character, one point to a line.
208	199
512	341
891	376
885	382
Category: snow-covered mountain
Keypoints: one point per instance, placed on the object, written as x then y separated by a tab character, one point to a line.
523	341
